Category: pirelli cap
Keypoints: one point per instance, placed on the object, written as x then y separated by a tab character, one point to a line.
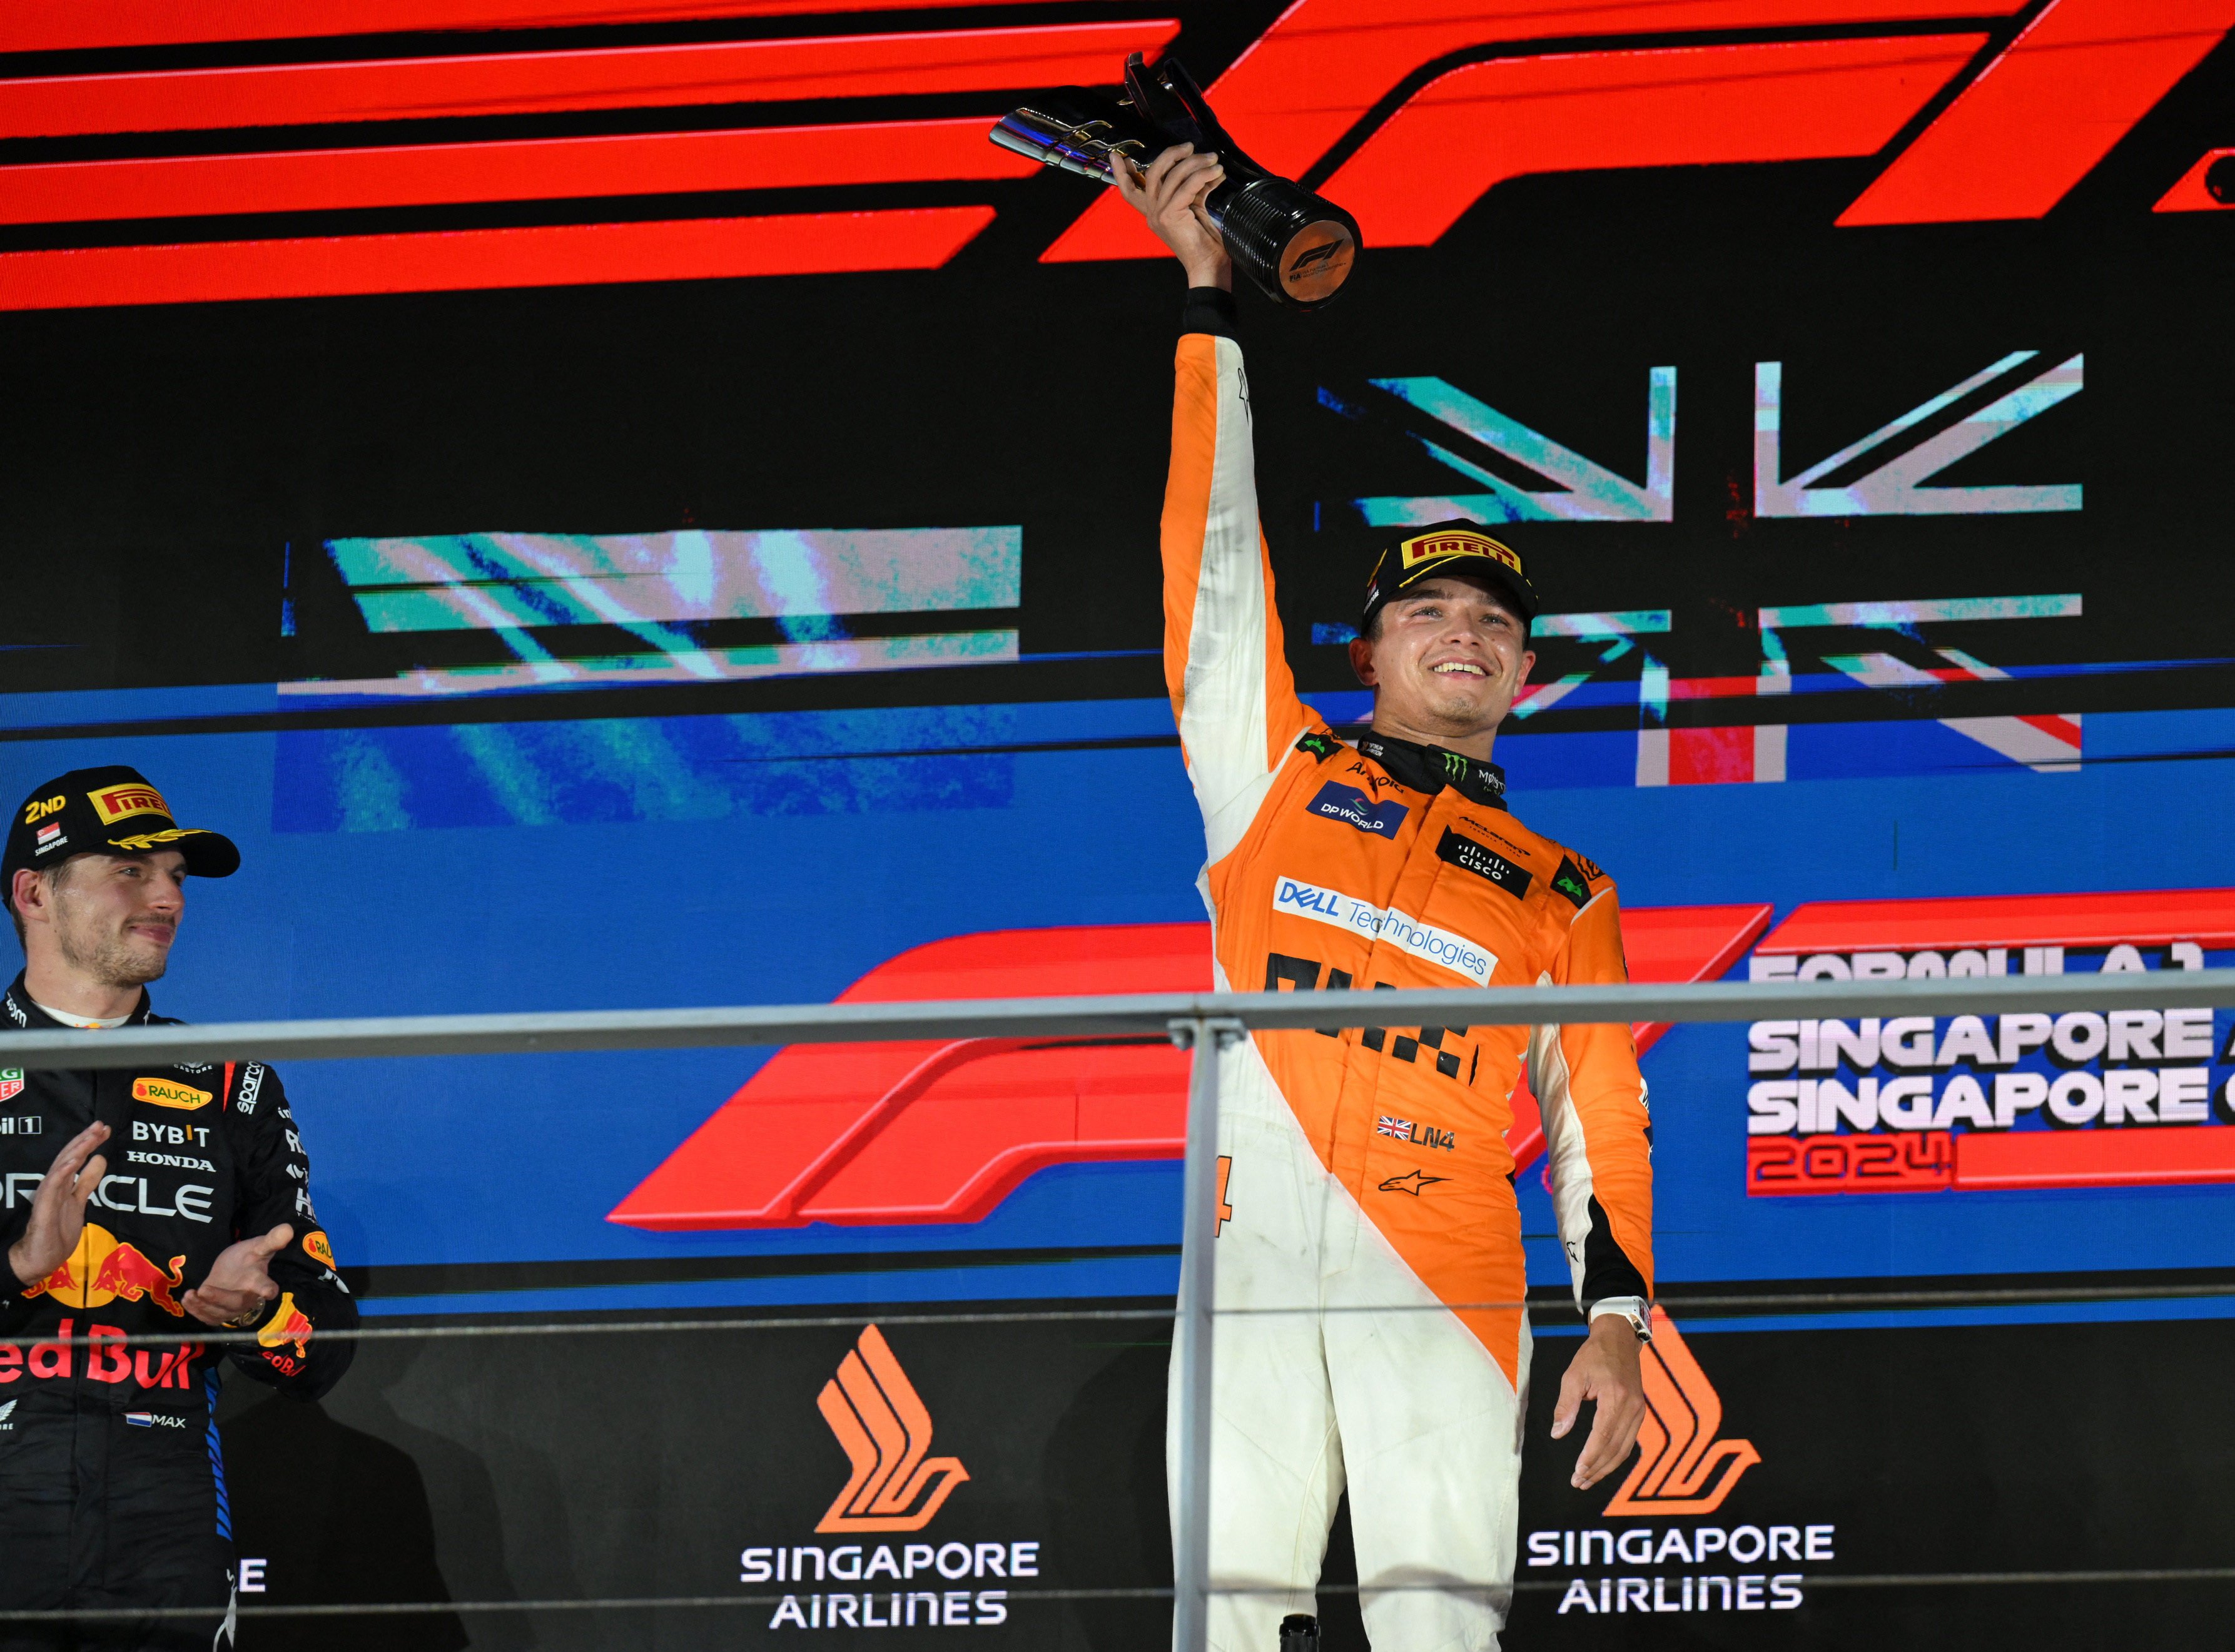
1455	546
105	811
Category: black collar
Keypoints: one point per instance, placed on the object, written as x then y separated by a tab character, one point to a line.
19	1012
1429	768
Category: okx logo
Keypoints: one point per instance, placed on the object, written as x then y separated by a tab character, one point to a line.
1681	1467
885	1429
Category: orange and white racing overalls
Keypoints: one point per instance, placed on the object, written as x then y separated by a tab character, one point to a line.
1366	1183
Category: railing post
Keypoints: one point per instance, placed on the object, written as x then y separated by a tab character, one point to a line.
1205	1037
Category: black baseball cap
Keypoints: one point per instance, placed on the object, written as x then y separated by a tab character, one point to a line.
105	811
1455	546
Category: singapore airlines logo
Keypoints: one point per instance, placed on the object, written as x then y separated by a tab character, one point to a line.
885	1429
1681	1467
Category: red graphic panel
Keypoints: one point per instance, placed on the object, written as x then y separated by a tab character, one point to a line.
2191	193
532	170
559	255
73	25
2041	114
1478	126
1325	63
515	82
922	1132
2140	917
2096	1157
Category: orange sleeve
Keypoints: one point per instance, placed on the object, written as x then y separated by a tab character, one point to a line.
1233	695
1598	1133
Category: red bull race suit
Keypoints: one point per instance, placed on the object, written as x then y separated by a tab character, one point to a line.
112	1482
1368	1225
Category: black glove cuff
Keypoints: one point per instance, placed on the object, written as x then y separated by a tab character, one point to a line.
1208	310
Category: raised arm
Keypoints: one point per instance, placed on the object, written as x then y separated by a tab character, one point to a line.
1225	665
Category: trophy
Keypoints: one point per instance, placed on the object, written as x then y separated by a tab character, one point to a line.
1296	245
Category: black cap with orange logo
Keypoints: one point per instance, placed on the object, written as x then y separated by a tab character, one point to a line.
1457	547
105	811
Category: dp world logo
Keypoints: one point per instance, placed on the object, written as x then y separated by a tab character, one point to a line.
884	1430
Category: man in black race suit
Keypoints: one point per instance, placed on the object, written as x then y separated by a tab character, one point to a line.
179	1201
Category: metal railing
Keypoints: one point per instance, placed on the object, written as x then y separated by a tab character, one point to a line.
1201	1023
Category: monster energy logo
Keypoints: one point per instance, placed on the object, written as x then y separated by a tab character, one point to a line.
1571	881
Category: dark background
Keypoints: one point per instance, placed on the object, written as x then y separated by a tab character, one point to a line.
170	472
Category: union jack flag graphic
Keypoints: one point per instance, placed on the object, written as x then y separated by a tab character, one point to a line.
1400	1127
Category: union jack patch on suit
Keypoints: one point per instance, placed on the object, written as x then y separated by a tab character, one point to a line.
1400	1127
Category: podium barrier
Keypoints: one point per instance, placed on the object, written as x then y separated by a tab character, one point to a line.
1202	1023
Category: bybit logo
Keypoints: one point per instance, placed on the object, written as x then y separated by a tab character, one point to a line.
1681	1467
885	1429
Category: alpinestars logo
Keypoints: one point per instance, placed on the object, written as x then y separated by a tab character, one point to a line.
1681	1467
885	1429
7	1417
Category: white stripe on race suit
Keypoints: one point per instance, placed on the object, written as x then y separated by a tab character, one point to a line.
1438	947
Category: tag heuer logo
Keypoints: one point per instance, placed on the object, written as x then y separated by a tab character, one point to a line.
11	1083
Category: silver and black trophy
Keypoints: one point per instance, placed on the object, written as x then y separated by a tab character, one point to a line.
1292	244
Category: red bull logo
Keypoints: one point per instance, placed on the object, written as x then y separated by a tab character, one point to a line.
289	1324
104	1269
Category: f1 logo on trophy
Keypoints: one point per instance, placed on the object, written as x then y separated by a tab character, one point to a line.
1297	246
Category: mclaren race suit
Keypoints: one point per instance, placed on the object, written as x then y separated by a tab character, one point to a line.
1366	1179
112	1485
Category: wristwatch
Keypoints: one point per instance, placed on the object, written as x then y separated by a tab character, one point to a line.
1631	1310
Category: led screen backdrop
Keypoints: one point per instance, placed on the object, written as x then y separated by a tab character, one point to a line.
639	504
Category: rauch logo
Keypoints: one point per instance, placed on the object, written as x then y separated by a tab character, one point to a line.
1683	1468
884	1428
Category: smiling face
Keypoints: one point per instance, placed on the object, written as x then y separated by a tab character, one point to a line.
1446	661
109	919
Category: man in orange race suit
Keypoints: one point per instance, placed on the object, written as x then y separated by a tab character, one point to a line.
1365	1178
